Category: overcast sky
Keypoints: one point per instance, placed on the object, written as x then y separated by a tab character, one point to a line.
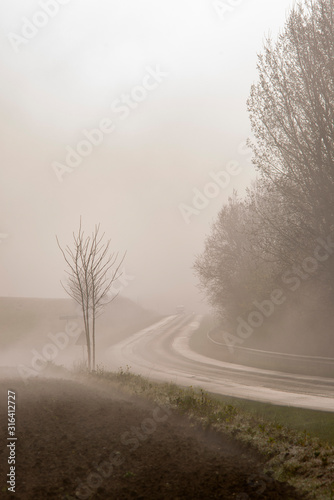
167	82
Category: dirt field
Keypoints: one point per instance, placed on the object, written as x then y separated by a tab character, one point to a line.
75	441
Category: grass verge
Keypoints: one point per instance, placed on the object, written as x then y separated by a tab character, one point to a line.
318	424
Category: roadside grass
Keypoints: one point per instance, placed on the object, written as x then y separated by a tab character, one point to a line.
316	423
281	435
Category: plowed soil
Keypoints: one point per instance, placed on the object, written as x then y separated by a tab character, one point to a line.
78	441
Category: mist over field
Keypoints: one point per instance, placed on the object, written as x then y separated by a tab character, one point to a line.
142	180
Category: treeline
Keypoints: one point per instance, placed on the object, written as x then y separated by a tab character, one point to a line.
280	236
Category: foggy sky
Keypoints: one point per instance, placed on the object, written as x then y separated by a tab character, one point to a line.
64	80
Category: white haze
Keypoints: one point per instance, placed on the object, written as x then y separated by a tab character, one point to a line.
65	79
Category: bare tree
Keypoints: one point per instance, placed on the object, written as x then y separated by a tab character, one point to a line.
91	272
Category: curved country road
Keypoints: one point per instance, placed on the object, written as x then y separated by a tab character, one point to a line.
162	352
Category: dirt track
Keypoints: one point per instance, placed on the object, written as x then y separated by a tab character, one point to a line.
84	442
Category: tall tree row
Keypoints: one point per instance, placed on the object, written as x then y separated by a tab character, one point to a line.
291	206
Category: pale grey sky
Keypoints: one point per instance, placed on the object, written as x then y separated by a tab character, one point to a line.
170	79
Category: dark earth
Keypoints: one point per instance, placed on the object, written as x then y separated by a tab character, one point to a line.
79	441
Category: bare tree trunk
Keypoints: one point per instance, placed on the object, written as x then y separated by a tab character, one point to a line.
93	337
